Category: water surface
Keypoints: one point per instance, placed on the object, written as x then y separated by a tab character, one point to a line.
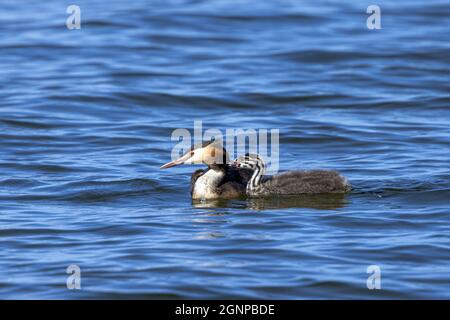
86	118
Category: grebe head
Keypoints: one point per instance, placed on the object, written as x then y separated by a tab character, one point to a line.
211	153
249	161
256	163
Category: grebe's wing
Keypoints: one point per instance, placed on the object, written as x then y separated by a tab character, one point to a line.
240	175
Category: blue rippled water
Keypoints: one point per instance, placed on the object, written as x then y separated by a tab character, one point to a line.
86	118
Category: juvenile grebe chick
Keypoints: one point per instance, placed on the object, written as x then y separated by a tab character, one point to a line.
291	182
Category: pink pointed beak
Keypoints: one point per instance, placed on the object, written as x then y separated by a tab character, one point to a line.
176	162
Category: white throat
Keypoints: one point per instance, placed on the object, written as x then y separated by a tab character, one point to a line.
206	185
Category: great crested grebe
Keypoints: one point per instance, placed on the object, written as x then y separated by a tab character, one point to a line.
219	180
291	182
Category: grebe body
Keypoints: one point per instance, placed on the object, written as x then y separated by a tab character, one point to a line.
291	182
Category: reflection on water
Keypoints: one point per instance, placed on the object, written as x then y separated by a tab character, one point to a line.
317	201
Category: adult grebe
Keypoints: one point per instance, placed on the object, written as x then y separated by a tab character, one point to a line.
220	180
291	182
